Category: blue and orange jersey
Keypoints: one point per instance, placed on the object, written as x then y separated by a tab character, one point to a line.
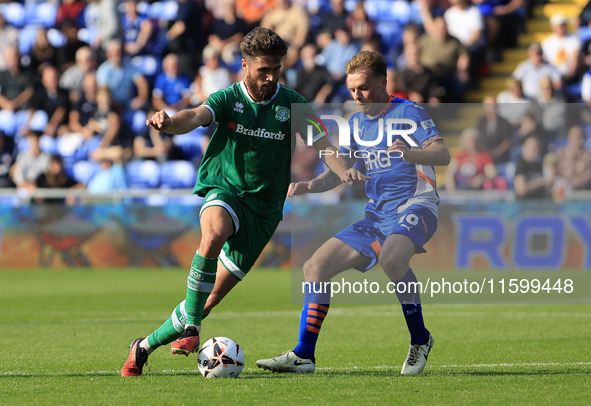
394	184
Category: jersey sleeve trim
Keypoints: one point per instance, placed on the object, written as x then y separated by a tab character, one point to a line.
431	140
212	112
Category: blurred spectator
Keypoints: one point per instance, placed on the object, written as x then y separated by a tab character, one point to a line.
304	162
66	54
6	160
359	24
52	100
137	30
503	21
574	160
107	123
562	50
186	34
512	104
8	37
313	81
172	88
55	177
530	71
253	11
226	33
111	176
153	144
446	57
495	132
109	23
335	18
338	53
464	22
529	126
470	167
211	77
410	36
415	80
43	53
72	78
550	109
122	79
290	22
84	109
16	89
69	11
530	181
29	163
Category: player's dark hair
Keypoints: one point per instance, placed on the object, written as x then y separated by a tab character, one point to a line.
263	42
367	60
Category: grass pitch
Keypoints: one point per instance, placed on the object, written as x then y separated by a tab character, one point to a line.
64	339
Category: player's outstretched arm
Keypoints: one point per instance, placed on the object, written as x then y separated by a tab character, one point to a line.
338	163
182	122
322	183
434	154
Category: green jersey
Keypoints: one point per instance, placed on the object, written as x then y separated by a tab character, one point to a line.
249	154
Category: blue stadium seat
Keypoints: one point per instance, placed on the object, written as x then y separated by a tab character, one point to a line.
56	38
83	171
48	144
177	175
14	14
26	38
190	143
135	120
148	65
144	174
163	10
41	13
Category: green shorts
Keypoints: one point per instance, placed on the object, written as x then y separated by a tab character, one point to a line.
251	232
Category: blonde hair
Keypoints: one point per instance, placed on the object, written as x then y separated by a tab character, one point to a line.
367	61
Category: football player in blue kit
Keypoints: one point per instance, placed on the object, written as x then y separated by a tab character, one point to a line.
400	217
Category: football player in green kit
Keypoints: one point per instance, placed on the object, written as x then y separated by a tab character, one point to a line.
244	177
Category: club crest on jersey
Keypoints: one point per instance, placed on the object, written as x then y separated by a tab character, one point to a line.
239	107
282	114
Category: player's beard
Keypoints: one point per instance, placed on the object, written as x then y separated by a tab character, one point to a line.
260	92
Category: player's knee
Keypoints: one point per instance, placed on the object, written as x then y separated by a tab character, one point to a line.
312	271
212	242
394	268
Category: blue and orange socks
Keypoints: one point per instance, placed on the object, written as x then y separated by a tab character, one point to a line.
313	313
411	307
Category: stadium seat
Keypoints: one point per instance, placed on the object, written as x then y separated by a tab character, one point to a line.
148	65
144	174
48	144
177	175
14	14
135	120
190	144
41	13
163	10
26	39
83	171
56	38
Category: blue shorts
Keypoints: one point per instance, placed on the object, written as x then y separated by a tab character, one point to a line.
368	235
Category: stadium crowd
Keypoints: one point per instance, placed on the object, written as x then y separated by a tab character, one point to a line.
79	77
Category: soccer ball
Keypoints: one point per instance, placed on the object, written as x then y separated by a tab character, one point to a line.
220	357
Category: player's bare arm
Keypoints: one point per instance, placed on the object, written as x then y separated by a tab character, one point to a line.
338	164
434	154
182	122
322	183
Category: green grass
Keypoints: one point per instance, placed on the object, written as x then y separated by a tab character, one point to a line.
64	338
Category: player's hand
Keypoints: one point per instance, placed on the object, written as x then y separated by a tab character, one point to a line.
298	188
160	121
352	176
400	147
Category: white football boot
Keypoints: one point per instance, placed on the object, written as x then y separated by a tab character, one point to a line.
288	362
417	357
